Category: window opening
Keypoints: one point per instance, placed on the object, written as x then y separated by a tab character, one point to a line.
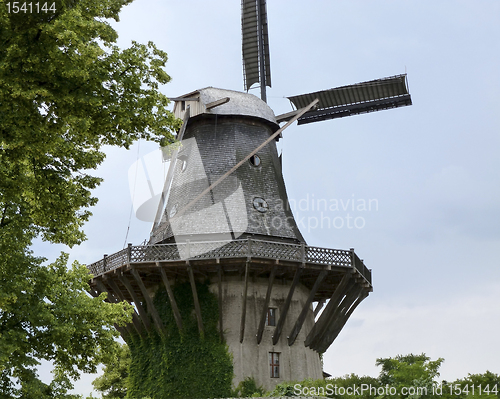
255	160
274	363
271	317
184	165
260	204
173	211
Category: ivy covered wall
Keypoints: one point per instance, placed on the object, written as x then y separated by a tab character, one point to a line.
181	365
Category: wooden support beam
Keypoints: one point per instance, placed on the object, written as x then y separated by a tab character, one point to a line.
266	305
195	298
151	307
305	309
288	115
184	98
173	303
340	321
244	306
318	307
142	313
136	322
219	284
93	292
322	323
216	103
341	310
124	332
283	312
331	335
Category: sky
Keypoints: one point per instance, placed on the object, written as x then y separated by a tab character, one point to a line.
430	171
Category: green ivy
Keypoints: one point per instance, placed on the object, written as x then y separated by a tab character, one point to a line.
181	364
248	388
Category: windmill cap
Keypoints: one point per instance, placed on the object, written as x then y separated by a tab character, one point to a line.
211	100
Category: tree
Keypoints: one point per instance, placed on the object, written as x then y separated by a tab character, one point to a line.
45	314
66	90
248	388
113	382
401	373
477	386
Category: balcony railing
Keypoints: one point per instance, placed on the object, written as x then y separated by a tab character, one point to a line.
230	249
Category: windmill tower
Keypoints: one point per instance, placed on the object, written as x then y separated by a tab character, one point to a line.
225	218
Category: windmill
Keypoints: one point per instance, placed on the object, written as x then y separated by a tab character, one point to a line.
224	217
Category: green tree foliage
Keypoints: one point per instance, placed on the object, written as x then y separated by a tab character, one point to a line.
353	380
248	388
66	91
346	387
415	371
46	315
474	386
113	382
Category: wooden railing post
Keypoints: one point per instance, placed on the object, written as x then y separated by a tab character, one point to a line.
353	258
129	252
104	262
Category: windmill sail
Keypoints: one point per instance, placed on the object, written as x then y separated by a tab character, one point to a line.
375	95
256	64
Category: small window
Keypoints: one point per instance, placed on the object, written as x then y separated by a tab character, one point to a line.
271	317
260	204
183	105
274	364
173	211
254	160
184	165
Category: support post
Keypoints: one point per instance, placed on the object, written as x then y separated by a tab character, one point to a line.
340	322
219	283
266	305
129	253
111	299
173	303
195	298
244	306
318	307
305	309
142	313
322	324
283	312
149	301
135	318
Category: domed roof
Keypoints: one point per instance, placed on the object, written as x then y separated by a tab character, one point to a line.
237	103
